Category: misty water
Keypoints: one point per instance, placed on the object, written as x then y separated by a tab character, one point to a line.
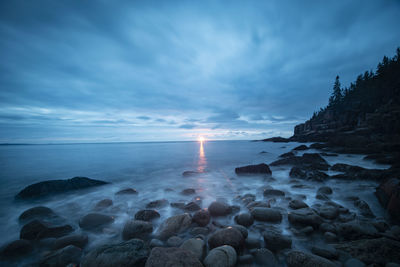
151	168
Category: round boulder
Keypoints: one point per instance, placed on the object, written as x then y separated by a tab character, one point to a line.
196	246
95	221
137	229
147	215
201	217
78	240
174	225
245	219
219	209
172	257
300	258
39	212
17	248
266	214
223	256
227	236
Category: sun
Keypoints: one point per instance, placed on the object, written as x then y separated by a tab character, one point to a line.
201	139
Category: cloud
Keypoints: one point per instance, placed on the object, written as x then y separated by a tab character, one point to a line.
146	118
187	126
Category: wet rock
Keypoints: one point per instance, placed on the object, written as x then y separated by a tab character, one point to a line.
301	147
355	230
199	231
325	190
357	173
297	204
364	208
247	198
147	215
228	236
245	259
341	167
235	209
327	227
322	197
39	212
306	174
196	246
388	194
129	253
254	169
266	214
381	226
300	258
62	257
159	203
188	191
38	230
305	216
328	154
260	204
264	257
328	212
252	243
352	262
245	219
276	241
190	173
137	229
330	237
219	209
310	161
17	248
242	230
102	204
223	256
156	243
95	221
174	241
52	187
306	230
172	257
201	217
191	206
178	205
78	240
326	251
373	251
174	225
270	192
287	155
127	191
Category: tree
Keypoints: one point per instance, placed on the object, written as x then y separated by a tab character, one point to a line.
336	96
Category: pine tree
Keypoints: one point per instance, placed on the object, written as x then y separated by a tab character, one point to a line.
336	94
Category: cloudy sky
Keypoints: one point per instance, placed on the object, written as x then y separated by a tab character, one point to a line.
107	71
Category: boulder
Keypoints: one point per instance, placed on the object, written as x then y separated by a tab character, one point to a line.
364	208
52	187
127	191
62	257
39	213
254	169
306	174
219	209
276	241
388	194
245	219
95	221
174	241
102	204
260	204
147	215
129	253
355	229
77	240
300	148
159	203
174	225
352	262
297	204
328	212
266	214
137	229
17	248
227	236
188	191
241	229
270	192
325	190
196	246
223	256
201	217
300	258
190	173
305	217
196	231
264	257
38	230
156	243
172	257
311	161
251	243
191	206
287	155
325	251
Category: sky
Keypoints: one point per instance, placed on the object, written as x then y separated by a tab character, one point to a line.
116	71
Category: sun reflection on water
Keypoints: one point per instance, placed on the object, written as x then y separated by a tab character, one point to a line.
202	162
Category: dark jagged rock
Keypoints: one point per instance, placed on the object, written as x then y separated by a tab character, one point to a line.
277	139
228	236
130	253
287	155
306	174
147	215
254	169
326	251
388	194
172	257
39	212
127	191
95	221
354	230
364	208
310	161
52	187
38	230
301	147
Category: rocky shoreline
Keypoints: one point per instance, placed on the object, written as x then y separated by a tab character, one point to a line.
270	227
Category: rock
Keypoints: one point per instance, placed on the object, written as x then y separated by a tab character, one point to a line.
102	204
352	262
373	251
276	241
297	204
137	229
329	154
52	187
228	236
17	248
95	221
245	259
147	215
255	204
355	230
178	205
219	209
127	191
39	212
191	206
264	257
224	256
357	173
201	217
388	194
172	257
190	173
307	160
188	191
277	139
269	192
287	155
266	214
305	216
156	243
326	190
341	167
306	230
242	230
174	241
247	198
330	237
306	174
159	203
254	169
78	240
129	253
245	219
322	197
252	243
195	231
196	246
327	227
62	257
364	208
300	258
328	212
301	147
325	251
174	225
38	230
